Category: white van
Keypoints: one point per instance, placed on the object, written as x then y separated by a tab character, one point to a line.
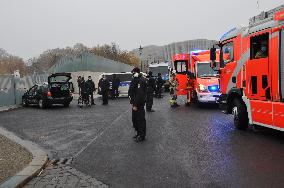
125	79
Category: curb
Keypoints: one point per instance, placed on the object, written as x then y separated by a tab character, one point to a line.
9	108
39	161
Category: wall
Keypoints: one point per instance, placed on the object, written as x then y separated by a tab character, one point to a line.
13	87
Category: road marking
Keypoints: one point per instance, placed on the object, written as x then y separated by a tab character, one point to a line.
99	135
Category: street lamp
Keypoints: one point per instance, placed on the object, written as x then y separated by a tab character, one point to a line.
140	53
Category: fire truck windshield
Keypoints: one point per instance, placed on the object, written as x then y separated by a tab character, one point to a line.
204	70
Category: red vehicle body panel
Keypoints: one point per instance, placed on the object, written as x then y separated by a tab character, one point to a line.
257	78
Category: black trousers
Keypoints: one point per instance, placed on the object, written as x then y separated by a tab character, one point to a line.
139	121
114	93
92	98
105	97
149	100
159	92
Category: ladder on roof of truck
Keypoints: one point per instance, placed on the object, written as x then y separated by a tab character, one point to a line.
264	16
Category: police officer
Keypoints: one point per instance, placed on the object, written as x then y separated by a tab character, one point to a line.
137	94
84	89
79	82
104	87
159	85
91	88
150	92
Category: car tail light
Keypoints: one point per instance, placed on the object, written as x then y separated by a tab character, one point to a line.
48	94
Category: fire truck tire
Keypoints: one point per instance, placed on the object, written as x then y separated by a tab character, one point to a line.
240	114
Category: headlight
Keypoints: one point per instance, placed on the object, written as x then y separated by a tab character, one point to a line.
202	87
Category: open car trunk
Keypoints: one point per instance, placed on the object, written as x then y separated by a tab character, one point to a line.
59	84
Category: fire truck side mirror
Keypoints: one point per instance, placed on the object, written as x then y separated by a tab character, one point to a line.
213	54
213	64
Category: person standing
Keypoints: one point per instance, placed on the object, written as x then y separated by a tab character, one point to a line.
79	81
137	94
104	87
84	89
91	88
173	90
159	85
150	92
115	86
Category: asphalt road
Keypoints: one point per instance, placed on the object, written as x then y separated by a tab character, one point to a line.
185	146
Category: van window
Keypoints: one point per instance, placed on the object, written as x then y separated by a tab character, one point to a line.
122	77
259	46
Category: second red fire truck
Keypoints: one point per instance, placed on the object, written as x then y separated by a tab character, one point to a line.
196	78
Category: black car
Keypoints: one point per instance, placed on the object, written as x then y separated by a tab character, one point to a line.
58	90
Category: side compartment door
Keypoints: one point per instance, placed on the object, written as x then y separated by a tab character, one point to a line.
258	78
278	105
181	68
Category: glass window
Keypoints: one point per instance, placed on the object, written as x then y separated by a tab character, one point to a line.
181	67
228	52
162	69
204	70
259	46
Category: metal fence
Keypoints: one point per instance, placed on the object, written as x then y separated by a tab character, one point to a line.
89	62
12	87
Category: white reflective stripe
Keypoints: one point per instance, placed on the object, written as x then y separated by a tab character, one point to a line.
245	57
269	126
247	102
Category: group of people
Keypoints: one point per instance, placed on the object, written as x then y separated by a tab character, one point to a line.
87	88
141	92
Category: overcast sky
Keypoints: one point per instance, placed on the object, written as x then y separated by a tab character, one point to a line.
28	27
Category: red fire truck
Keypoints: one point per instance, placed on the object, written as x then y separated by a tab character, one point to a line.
252	71
194	74
205	80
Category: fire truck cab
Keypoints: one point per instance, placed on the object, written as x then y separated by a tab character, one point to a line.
252	71
206	87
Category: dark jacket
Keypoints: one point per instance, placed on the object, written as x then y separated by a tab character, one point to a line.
84	87
159	81
104	85
115	83
91	85
150	84
137	91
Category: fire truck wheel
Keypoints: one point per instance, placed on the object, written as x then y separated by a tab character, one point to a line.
240	114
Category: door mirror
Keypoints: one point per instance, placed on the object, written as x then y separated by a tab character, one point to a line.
213	54
213	64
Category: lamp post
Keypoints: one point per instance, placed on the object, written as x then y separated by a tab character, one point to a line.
140	53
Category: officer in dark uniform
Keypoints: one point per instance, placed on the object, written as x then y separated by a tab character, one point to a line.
91	88
79	82
137	94
84	89
104	87
159	84
150	92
